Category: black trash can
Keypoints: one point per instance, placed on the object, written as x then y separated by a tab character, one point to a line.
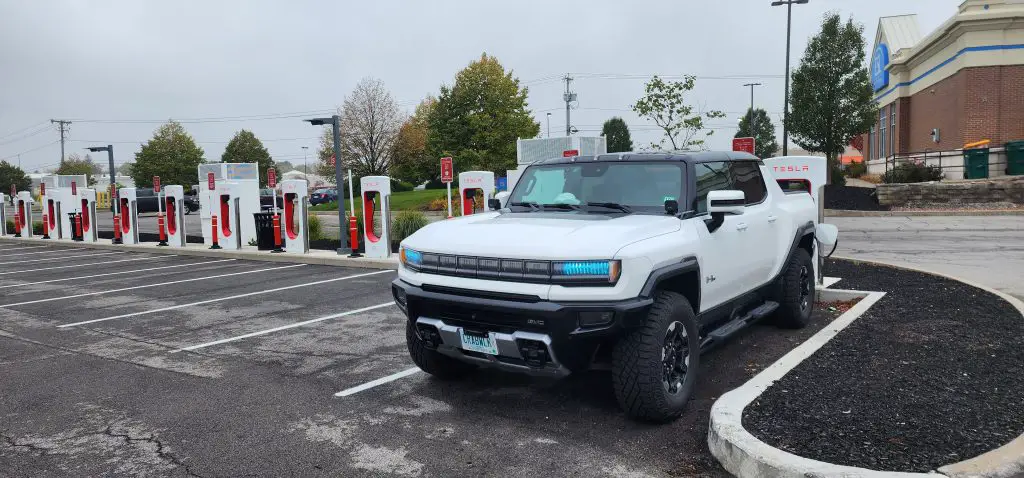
264	230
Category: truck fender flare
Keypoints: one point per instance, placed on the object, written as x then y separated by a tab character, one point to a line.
686	265
801	231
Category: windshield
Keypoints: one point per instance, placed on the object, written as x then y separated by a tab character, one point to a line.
321	191
641	187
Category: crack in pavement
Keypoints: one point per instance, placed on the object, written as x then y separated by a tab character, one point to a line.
160	449
13	443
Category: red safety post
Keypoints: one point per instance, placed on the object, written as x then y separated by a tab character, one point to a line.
159	213
160	226
213	225
46	225
78	227
353	228
17	217
277	232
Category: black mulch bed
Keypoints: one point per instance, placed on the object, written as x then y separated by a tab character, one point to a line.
931	375
851	198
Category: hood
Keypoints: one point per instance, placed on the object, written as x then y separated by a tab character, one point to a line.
539	235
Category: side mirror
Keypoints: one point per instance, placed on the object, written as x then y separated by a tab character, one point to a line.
502	198
726	202
671	207
493	204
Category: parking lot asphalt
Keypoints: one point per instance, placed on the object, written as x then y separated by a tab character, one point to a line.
132	364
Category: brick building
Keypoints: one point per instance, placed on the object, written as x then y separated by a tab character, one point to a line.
962	83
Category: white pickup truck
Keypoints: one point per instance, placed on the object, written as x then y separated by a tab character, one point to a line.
643	260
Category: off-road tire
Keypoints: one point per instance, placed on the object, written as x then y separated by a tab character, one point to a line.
795	307
638	373
432	361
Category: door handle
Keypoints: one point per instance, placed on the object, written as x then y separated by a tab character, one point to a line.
741	226
772	218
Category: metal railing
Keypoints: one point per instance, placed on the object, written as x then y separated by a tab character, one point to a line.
951	163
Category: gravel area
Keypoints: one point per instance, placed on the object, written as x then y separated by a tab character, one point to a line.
851	198
931	375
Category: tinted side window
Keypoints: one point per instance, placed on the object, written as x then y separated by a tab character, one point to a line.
746	177
710	177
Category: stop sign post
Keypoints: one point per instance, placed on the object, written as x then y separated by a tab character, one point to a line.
447	175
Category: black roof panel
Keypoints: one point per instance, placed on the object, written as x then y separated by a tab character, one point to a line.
687	156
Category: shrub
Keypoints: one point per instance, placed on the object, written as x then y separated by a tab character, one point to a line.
400	186
872	178
406	223
316	228
838	178
912	173
856	169
10	226
439	204
37	228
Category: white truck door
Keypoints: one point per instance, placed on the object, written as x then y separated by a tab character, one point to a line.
762	221
724	252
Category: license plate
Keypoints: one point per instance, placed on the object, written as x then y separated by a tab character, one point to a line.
475	342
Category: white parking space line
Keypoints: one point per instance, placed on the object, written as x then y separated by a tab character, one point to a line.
51	299
60	258
283	327
51	251
115	273
379	381
20	248
29	271
210	301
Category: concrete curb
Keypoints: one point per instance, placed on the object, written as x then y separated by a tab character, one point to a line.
745	456
323	258
923	212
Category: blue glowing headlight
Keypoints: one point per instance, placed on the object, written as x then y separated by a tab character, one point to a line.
576	271
411	258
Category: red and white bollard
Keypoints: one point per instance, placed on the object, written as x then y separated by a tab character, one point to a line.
213	226
353	229
160	227
277	233
78	227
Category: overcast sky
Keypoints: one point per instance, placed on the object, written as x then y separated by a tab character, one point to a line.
133	64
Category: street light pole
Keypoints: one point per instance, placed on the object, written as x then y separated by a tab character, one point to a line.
114	206
785	105
750	120
305	167
339	179
549	125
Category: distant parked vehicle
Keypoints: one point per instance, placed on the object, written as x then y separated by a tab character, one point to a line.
146	201
267	199
323	196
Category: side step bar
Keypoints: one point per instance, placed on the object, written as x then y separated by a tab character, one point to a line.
721	334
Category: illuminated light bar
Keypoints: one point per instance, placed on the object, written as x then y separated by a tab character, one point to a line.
586	268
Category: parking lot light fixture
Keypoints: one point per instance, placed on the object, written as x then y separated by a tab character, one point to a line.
335	122
785	105
113	181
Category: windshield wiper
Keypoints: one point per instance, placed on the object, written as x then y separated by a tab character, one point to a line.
565	207
532	205
611	205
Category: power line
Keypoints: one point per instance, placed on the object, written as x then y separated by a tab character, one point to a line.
31	150
44	128
65	127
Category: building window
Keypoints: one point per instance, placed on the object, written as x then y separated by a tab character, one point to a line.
873	139
892	110
881	132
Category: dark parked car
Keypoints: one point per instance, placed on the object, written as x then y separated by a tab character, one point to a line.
146	201
267	199
323	196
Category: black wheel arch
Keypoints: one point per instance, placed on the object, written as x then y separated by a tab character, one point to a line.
682	277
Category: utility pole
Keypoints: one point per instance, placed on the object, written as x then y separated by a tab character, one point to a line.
785	104
750	122
64	126
569	97
549	125
305	154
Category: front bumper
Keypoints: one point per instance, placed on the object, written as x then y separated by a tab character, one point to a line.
519	324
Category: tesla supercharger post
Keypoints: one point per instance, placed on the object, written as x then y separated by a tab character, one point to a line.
3	215
228	213
296	229
48	197
174	205
246	178
472	183
67	204
376	191
23	204
129	220
810	173
88	208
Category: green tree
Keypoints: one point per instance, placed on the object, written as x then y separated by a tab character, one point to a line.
831	97
245	147
284	166
324	165
477	120
125	169
75	165
370	120
11	174
616	133
171	154
664	103
410	160
765	145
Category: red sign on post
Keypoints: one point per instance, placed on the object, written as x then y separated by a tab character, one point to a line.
272	178
570	153
42	189
156	184
332	160
447	171
743	144
211	181
74	188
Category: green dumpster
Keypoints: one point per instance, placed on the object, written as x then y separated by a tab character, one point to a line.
1015	157
976	163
